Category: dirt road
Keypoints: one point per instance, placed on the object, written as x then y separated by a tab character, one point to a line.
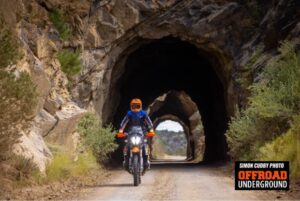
174	182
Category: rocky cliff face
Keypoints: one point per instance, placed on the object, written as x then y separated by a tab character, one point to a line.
226	32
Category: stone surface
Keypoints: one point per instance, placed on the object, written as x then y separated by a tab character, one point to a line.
45	122
209	25
67	119
32	146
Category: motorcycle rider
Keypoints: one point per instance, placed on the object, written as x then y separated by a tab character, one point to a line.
136	116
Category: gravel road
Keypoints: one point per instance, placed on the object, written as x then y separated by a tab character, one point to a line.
175	182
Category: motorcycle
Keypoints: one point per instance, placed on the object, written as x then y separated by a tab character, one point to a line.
135	142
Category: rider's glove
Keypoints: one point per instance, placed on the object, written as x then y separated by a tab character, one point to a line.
150	133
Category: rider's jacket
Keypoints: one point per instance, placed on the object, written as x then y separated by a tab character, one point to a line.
140	118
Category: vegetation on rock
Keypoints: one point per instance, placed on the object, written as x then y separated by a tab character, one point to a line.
60	24
18	101
70	62
273	110
286	147
96	144
245	78
9	51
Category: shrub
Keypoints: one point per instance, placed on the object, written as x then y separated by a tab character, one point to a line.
70	62
285	148
86	161
16	171
272	104
9	52
64	165
60	24
99	140
24	167
18	100
278	95
60	167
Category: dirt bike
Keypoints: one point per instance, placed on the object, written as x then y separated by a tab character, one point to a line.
135	142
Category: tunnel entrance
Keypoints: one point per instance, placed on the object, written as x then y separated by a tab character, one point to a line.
158	66
170	142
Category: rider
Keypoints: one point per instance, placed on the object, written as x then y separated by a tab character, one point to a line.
136	117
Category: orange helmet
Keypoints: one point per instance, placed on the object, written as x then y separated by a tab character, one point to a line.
135	105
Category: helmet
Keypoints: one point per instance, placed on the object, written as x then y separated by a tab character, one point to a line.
135	105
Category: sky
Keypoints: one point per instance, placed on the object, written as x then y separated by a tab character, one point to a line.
169	125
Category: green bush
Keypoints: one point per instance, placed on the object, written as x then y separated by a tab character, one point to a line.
86	161
60	167
285	148
24	167
18	100
64	165
69	61
60	24
16	171
99	140
272	104
9	52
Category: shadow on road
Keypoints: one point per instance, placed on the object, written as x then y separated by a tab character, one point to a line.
115	185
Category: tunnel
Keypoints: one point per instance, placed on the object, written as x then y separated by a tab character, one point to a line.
155	67
179	107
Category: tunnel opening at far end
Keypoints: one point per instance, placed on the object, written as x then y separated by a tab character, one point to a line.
156	67
170	142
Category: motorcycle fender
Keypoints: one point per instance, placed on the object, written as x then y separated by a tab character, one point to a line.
135	149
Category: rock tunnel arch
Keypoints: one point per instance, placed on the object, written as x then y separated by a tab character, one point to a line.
154	67
179	107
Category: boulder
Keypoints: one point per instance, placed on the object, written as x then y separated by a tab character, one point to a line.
67	119
45	122
32	146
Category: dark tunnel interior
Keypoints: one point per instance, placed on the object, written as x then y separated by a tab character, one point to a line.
172	64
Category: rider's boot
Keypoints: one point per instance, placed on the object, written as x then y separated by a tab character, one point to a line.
124	163
126	159
146	164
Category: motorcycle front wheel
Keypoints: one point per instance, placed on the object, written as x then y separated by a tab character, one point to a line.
136	170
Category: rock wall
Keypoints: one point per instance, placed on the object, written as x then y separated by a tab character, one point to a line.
107	31
56	115
212	26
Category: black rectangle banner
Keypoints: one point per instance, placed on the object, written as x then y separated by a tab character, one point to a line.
262	175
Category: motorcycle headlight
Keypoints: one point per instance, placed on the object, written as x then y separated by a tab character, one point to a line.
135	140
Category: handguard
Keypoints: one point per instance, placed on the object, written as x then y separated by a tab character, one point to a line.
120	135
150	134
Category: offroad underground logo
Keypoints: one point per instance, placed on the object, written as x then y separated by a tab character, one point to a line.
268	175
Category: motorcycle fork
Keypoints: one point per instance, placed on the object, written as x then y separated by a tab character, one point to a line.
130	159
141	160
